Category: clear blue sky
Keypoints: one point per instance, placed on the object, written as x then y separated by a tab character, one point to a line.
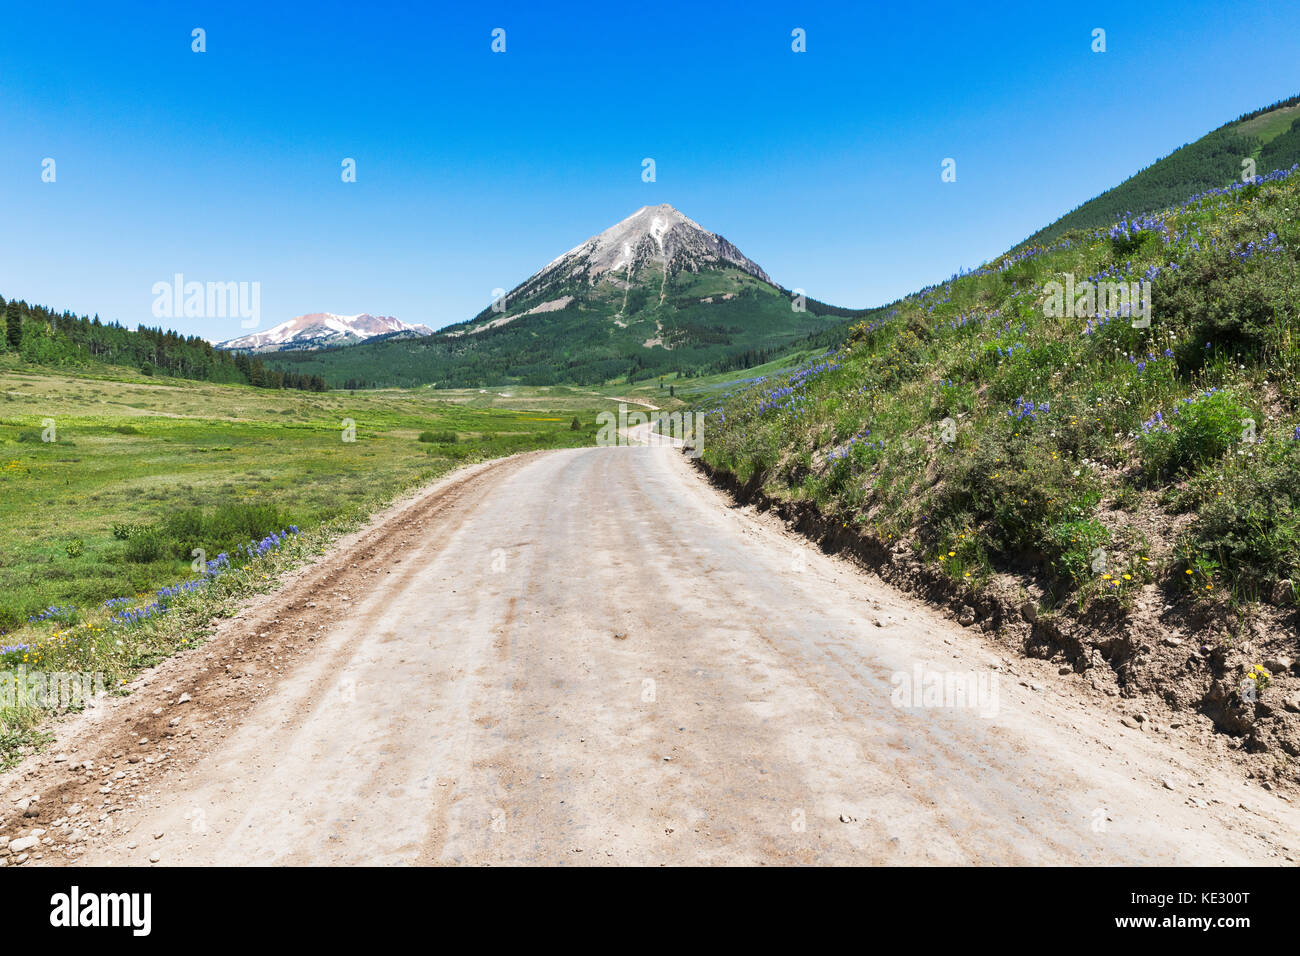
475	169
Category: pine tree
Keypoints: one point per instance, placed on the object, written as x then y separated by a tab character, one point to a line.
13	327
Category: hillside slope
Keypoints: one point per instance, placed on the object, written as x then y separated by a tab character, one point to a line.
36	335
1270	136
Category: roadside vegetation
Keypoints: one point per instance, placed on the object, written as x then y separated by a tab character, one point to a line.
1090	454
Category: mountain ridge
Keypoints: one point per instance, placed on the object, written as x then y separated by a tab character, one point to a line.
1269	136
656	292
314	330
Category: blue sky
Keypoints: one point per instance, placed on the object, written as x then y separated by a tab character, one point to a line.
474	169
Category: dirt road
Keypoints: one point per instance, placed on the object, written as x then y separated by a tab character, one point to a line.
587	657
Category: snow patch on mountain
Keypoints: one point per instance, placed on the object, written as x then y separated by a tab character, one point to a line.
653	232
317	330
653	235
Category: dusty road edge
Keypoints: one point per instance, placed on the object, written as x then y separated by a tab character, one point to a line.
1135	712
120	751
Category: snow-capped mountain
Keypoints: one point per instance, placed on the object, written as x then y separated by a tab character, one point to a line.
322	330
654	259
656	292
653	234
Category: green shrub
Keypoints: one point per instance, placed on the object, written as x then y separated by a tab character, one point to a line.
144	545
1014	489
1127	244
439	438
1248	519
11	615
1198	431
221	529
1218	300
1072	545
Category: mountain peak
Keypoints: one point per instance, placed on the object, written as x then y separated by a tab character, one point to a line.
321	330
656	290
664	211
659	233
644	274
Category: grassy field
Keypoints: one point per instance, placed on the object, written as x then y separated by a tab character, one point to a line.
134	453
1097	455
141	471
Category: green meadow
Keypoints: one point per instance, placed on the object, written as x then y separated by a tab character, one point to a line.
110	481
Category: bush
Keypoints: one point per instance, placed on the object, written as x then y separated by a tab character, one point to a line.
1126	244
10	616
1198	431
144	545
1249	518
75	549
220	529
1015	489
439	438
1220	301
122	530
1072	545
